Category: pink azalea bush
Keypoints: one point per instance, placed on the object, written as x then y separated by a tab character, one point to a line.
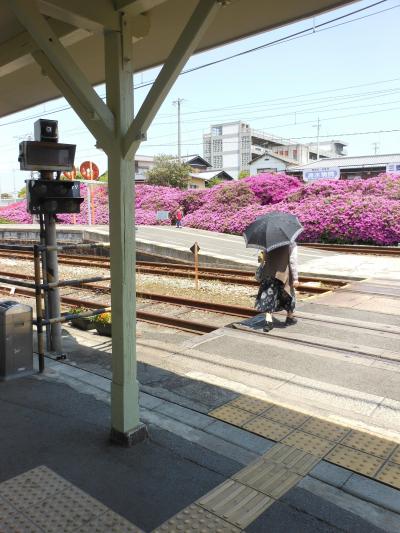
272	188
354	211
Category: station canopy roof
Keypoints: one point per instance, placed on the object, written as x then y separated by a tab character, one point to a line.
157	25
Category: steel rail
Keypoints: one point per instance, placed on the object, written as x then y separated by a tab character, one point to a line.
154	318
200	327
242	277
241	281
355	248
234	310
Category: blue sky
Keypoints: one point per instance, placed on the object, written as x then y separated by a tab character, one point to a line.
347	75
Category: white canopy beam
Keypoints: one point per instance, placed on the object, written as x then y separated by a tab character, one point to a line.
16	52
96	127
135	7
92	16
191	35
65	72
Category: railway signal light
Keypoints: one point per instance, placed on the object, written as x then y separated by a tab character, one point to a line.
53	196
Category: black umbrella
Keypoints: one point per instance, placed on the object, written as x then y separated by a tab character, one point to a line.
272	230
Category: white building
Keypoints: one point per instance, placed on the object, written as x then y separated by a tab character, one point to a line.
143	163
232	145
269	162
353	167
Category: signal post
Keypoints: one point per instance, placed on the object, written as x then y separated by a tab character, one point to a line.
47	197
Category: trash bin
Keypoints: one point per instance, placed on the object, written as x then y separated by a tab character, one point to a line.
16	340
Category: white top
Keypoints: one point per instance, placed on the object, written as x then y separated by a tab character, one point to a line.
293	261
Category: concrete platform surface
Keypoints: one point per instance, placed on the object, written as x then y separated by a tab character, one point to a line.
185	474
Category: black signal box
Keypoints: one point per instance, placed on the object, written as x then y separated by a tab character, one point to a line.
46	130
53	196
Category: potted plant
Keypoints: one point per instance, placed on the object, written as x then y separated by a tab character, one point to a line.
84	323
102	323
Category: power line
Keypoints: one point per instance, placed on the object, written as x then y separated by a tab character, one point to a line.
358	96
249	115
295	35
244	52
330	135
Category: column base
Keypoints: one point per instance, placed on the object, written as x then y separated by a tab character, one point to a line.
130	438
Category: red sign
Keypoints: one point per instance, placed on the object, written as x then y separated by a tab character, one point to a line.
89	170
71	175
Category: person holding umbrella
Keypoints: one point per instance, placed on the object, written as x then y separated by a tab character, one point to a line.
275	234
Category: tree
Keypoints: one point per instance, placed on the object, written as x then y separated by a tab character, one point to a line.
104	177
213	181
22	193
168	171
243	174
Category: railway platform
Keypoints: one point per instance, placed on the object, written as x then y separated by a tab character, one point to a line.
216	249
294	430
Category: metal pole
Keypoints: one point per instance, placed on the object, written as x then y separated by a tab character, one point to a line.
318	128
39	310
45	280
179	130
178	104
196	265
50	236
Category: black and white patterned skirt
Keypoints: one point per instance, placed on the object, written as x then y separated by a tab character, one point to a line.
272	297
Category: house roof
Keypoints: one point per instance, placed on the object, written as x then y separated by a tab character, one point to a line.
210	174
269	154
378	160
157	24
196	159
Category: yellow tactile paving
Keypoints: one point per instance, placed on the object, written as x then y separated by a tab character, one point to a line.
109	522
32	486
295	460
253	405
236	503
286	416
303	440
309	443
390	474
268	477
268	428
396	456
369	444
355	460
195	519
231	414
324	429
42	501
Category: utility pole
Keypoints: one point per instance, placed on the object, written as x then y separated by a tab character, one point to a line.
178	104
318	128
375	146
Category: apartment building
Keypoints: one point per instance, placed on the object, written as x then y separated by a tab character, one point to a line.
233	145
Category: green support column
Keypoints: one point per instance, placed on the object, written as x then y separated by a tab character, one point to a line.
126	427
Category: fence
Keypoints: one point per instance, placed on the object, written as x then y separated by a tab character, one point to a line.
41	286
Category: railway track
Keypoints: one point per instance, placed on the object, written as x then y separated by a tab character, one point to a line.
104	289
356	249
233	314
169	316
224	275
155	318
233	311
